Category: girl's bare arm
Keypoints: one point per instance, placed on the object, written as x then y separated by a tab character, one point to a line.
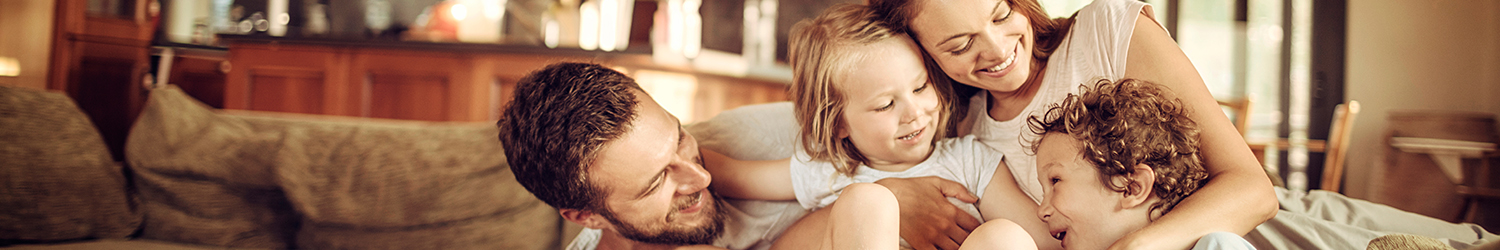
750	180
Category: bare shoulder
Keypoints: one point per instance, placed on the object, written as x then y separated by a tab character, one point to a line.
1154	56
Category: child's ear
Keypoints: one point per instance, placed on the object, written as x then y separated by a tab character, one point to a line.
1142	181
587	219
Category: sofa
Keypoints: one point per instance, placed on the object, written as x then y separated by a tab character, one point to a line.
199	178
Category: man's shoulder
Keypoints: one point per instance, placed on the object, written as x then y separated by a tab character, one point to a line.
588	239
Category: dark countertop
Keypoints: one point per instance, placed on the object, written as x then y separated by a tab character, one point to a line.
486	48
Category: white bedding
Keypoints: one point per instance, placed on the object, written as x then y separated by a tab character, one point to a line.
1315	220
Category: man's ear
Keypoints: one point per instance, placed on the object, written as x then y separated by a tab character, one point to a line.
1142	181
587	219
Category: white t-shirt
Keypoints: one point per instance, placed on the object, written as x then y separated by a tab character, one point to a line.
1095	48
751	224
963	160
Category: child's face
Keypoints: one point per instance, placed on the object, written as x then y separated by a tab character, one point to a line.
892	110
1078	209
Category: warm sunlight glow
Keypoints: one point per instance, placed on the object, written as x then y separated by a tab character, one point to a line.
609	10
10	67
459	12
493	10
551	32
693	29
588	25
674	91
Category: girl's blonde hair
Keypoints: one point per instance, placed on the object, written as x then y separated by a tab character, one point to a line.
822	51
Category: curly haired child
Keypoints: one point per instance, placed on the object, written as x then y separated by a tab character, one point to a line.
1113	159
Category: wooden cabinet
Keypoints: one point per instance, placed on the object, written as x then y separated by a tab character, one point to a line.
100	59
199	72
295	80
429	82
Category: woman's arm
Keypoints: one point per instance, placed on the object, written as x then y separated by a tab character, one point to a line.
1238	195
751	180
1003	199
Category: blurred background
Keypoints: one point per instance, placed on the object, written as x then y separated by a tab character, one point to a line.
1419	69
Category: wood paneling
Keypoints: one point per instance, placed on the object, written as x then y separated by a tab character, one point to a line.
200	77
286	90
500	72
415	85
502	89
409	97
311	79
422	82
718	93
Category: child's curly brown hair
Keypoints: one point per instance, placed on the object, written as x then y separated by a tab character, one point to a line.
1129	122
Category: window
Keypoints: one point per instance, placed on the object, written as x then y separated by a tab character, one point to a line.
1263	50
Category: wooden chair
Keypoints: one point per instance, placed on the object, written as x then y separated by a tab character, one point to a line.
1239	113
1339	134
1239	110
1479	188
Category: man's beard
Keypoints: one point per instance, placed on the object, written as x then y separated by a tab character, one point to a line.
701	235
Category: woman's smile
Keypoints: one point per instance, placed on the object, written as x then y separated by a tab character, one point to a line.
1005	67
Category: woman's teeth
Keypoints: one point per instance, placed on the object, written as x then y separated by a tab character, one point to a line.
1008	61
1002	65
1060	235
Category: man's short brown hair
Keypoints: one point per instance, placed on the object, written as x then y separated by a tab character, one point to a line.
556	124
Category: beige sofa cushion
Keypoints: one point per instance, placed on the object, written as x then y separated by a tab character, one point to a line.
57	178
353	183
205	178
119	244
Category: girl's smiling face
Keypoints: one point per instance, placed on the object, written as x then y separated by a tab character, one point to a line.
892	112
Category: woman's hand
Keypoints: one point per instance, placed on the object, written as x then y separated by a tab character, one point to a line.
928	220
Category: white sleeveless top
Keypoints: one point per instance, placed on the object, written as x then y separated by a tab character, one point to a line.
964	160
1095	48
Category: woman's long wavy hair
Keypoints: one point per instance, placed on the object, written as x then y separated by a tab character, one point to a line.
1129	122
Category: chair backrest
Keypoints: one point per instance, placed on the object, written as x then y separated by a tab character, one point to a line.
1339	133
1239	112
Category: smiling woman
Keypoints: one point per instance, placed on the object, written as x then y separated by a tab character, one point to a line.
1020	60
